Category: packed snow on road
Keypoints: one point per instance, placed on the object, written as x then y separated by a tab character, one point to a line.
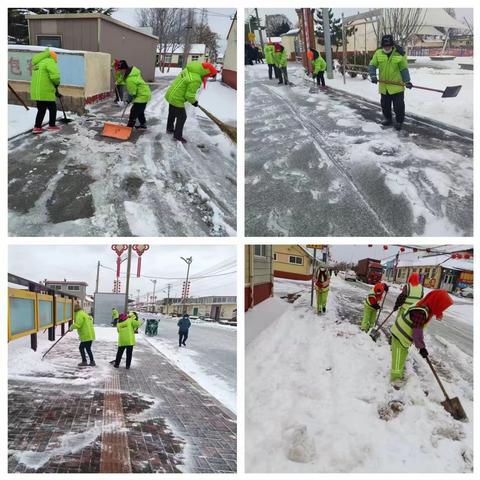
320	163
78	183
318	394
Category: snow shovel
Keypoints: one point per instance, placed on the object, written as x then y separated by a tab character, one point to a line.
63	336
447	93
227	129
451	405
18	97
375	332
64	120
116	130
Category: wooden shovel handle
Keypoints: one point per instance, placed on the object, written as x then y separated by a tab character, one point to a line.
18	96
401	84
437	378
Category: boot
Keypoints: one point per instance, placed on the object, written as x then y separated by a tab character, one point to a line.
386	122
142	126
38	130
92	364
324	309
181	140
398	126
53	128
83	364
398	383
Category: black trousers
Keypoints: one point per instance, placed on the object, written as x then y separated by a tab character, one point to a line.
120	351
182	338
86	347
272	69
42	107
320	78
137	111
177	116
398	101
282	75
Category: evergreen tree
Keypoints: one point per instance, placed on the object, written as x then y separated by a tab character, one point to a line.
335	29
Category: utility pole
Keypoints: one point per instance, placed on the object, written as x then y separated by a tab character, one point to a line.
169	286
188	36
127	285
327	41
154	285
98	276
188	261
259	28
138	297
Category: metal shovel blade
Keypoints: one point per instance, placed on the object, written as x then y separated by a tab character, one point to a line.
116	130
374	334
451	91
454	408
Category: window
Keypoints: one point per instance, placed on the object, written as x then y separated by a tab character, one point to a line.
195	58
73	287
260	250
275	256
168	58
49	41
296	260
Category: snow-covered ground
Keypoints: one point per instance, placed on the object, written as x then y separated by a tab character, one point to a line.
210	357
329	151
424	72
147	186
318	393
220	100
20	120
173	71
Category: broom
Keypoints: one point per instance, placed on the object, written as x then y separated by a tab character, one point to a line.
227	129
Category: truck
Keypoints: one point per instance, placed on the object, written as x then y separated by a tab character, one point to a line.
369	270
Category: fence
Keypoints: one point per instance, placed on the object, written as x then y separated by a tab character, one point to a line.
36	309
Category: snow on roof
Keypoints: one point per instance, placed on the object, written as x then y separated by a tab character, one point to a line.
41	48
443	260
291	33
429	30
195	48
274	39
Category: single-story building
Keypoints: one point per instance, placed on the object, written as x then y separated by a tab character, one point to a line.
215	308
95	32
258	274
290	41
229	60
171	55
292	261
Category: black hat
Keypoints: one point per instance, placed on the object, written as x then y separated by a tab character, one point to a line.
122	65
387	41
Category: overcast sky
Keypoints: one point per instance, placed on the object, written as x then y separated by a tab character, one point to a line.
79	263
219	20
292	15
353	253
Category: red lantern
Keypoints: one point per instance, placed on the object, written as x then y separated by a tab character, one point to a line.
415	250
119	249
402	249
428	250
370	245
454	255
385	247
140	249
466	256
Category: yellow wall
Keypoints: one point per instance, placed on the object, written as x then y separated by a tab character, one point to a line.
97	73
282	264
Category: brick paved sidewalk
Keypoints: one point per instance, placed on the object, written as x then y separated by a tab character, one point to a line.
151	418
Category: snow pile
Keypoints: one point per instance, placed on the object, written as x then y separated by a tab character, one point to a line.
220	100
21	120
318	384
172	72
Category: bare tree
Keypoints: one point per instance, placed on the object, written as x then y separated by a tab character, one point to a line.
402	23
277	24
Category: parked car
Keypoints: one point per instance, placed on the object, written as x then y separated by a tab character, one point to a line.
350	276
467	292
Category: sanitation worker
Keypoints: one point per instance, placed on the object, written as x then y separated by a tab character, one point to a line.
183	327
408	328
44	89
392	65
411	293
322	285
126	327
138	92
372	306
115	316
319	66
280	58
183	89
269	50
86	332
119	82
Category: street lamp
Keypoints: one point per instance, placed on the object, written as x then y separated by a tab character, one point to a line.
154	285
188	261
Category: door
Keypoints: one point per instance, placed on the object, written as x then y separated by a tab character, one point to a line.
447	282
195	311
215	313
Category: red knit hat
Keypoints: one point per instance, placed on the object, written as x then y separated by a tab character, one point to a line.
379	288
437	301
213	72
414	279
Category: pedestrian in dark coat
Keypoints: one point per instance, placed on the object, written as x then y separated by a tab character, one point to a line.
183	327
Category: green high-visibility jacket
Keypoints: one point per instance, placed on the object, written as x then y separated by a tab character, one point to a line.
45	77
269	50
389	69
280	59
115	314
137	87
414	294
126	331
185	87
119	78
319	65
402	329
371	295
84	324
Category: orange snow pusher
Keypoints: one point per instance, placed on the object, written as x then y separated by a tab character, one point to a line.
447	93
117	130
451	405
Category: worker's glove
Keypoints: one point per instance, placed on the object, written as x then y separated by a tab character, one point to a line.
374	79
376	306
424	352
385	287
396	307
195	103
409	85
314	75
57	93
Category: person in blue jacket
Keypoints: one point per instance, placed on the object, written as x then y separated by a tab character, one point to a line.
183	327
